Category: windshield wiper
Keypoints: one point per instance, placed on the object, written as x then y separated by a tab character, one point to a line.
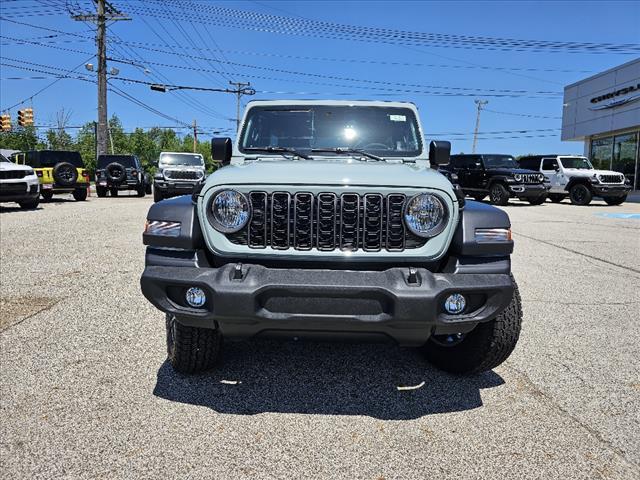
281	150
348	151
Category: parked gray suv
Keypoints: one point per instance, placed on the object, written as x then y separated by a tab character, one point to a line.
178	173
329	220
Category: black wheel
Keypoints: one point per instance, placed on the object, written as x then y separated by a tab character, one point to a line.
483	348
538	200
80	194
157	195
141	192
147	188
115	172
191	349
615	200
47	195
580	194
113	192
101	192
555	197
479	197
65	174
498	194
30	204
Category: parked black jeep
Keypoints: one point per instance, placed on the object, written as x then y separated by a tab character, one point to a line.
498	176
121	172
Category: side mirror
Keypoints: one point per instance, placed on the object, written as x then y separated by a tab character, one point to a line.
439	153
221	150
556	168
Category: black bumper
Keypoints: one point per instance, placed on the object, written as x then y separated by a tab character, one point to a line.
173	189
326	303
610	190
124	185
525	191
9	196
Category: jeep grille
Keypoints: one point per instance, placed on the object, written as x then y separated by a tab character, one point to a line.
326	222
182	175
531	178
611	178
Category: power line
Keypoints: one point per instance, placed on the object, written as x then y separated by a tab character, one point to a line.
522	114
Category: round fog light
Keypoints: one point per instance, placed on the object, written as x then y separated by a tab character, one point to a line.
455	303
195	297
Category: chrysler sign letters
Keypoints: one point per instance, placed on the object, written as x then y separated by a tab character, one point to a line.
615	102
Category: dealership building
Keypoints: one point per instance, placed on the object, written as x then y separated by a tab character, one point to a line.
603	111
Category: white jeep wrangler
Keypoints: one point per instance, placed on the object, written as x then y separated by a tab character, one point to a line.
575	177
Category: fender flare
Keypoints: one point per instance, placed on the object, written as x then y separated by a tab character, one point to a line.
178	209
576	180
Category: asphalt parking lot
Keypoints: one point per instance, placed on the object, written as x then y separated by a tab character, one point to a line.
86	392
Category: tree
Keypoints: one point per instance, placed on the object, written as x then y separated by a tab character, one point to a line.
20	138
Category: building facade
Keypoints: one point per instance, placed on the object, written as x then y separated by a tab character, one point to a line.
603	111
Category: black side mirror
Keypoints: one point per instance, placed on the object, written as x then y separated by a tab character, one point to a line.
221	150
439	153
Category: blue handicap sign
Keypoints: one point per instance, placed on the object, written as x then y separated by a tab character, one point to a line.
626	216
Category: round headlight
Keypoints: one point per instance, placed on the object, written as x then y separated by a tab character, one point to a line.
229	211
541	178
425	215
517	177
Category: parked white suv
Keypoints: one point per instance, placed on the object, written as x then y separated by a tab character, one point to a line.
18	183
178	173
575	177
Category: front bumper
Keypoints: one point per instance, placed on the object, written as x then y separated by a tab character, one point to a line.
128	184
172	188
249	300
9	194
524	191
603	190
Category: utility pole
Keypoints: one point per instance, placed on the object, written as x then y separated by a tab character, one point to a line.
195	136
241	89
104	12
479	104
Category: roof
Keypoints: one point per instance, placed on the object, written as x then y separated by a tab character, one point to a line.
636	60
368	103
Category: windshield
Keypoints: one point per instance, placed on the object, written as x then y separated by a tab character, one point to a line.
128	161
384	131
579	163
190	159
4	159
499	161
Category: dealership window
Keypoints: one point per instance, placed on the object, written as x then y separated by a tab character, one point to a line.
602	153
624	155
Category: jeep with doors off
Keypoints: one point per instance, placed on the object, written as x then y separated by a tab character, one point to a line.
121	172
498	176
329	221
573	176
18	183
59	171
178	173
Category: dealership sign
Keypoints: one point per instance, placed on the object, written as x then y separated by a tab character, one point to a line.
613	100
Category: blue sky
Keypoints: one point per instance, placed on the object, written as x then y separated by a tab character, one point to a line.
366	70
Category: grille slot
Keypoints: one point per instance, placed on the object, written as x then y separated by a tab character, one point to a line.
327	222
530	178
12	174
182	175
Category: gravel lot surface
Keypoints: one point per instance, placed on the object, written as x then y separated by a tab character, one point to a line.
86	393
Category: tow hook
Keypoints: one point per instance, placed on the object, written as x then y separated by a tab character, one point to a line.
237	274
414	277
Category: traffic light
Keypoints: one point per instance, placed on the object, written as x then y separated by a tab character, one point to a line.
25	117
5	122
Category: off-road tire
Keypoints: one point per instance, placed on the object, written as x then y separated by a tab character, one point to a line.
80	194
479	198
115	172
65	174
556	198
483	348
498	194
47	196
113	192
580	194
615	200
157	195
101	191
538	200
30	204
191	349
147	188
141	192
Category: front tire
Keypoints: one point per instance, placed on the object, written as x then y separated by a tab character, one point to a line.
30	204
498	194
113	192
556	198
580	194
191	349
101	192
47	196
615	200
483	348
538	200
80	194
147	189
141	192
157	195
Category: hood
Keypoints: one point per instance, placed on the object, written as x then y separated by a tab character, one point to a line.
183	168
511	171
577	172
13	166
331	172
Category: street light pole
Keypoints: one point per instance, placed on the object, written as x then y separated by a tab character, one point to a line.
239	91
479	104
